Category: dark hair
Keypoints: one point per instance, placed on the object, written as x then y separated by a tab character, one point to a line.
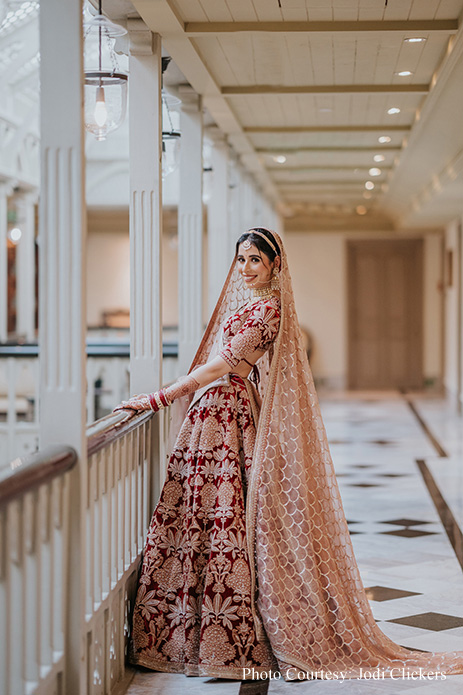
261	244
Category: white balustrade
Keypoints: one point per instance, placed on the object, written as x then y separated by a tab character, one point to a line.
120	485
116	513
34	555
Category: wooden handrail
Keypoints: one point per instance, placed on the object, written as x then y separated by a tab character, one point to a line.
30	471
108	429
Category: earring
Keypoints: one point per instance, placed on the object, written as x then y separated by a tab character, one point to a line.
275	282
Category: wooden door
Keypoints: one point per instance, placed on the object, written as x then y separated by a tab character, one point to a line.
385	321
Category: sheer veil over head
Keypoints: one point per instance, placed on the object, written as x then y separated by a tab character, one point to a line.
309	597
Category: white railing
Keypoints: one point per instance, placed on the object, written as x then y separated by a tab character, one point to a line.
34	554
119	486
116	509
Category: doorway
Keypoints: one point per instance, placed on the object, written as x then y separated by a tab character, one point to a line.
385	314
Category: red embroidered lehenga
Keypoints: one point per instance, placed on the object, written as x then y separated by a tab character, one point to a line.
248	561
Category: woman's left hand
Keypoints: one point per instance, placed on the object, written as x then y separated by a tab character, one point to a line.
137	403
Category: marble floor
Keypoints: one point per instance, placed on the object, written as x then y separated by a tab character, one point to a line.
399	462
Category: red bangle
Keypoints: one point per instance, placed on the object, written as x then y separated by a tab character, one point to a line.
153	403
163	398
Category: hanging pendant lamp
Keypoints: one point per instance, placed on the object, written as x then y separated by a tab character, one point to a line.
105	83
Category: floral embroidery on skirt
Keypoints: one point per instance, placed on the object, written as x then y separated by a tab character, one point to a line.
192	612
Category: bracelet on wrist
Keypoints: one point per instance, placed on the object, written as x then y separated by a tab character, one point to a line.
158	400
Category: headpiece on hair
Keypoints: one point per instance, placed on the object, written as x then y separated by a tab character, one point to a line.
269	242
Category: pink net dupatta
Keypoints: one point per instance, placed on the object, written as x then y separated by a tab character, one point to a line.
309	596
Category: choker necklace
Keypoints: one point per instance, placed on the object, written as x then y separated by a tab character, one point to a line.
262	292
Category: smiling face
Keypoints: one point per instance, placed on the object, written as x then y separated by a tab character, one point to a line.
254	266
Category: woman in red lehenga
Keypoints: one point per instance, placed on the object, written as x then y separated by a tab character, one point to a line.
248	566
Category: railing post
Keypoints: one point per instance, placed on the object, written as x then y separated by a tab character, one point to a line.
62	243
190	229
145	156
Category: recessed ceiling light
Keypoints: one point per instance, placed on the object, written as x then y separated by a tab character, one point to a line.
369	185
374	171
384	138
393	110
415	39
280	158
379	158
361	210
403	73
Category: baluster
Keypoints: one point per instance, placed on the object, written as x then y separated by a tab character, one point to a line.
96	535
60	553
15	606
113	523
89	545
122	510
45	578
146	517
31	594
104	526
136	461
126	468
3	603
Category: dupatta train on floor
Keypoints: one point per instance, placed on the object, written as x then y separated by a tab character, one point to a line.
308	591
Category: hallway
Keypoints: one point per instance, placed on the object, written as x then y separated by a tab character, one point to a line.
414	579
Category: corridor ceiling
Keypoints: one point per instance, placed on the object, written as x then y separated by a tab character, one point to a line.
302	88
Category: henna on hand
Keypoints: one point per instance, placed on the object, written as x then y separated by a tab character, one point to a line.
182	387
139	402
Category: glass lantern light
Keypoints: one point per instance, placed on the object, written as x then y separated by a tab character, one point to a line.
171	134
105	83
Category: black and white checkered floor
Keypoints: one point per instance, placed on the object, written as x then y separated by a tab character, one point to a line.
399	461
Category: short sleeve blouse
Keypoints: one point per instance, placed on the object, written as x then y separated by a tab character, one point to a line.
251	328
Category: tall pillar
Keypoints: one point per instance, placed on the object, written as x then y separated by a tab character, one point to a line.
217	219
62	244
3	263
234	214
25	309
145	157
190	229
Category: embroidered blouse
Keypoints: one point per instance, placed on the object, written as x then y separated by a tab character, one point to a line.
251	328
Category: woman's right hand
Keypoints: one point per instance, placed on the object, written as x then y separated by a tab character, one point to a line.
137	403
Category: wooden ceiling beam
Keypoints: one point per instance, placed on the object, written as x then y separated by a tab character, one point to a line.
407	27
281	168
353	148
259	89
328	129
325	182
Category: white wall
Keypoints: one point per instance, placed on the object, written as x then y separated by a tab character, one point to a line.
318	266
453	307
318	269
108	274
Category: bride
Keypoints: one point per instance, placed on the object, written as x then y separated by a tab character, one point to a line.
248	567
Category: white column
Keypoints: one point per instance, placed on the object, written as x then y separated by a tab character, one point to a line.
145	147
62	245
190	230
26	268
234	214
3	263
217	219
